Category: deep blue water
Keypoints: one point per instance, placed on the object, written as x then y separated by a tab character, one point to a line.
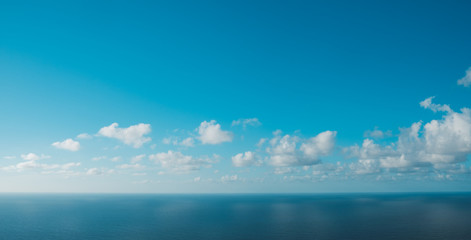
328	216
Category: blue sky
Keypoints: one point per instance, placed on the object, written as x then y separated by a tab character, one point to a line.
339	91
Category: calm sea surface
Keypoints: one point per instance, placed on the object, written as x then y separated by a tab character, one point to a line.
329	216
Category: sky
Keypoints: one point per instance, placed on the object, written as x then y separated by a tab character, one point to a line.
235	96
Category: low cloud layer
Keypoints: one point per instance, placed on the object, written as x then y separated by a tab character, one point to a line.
180	163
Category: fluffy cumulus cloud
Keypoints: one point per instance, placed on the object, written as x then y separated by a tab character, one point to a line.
180	163
133	135
247	122
466	80
68	144
446	141
294	151
244	159
211	133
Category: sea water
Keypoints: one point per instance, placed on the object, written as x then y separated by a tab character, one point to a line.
235	216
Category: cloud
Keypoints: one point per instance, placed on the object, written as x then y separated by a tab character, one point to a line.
34	157
285	170
211	133
428	104
284	150
377	134
228	178
179	163
9	157
67	144
261	142
94	171
247	122
133	135
34	164
437	143
244	159
466	80
137	158
84	136
130	166
99	171
98	158
187	142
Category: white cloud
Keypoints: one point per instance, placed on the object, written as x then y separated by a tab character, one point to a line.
99	171
116	159
466	80
211	133
133	135
261	142
439	142
68	144
34	164
34	157
98	158
428	104
377	134
177	162
284	151
9	157
285	170
244	159
84	136
228	178
187	142
247	122
94	171
137	158
130	166
70	165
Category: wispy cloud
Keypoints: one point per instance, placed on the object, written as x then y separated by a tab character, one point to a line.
466	80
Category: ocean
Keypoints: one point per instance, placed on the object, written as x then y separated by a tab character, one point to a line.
236	216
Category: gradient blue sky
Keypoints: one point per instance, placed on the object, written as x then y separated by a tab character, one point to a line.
340	69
